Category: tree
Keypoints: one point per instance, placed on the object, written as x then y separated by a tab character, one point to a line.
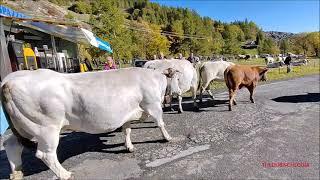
259	37
300	44
314	42
284	46
108	23
217	43
268	46
156	42
176	39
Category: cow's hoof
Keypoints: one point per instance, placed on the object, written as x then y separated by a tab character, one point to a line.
169	138
72	176
196	108
171	109
131	149
180	111
67	176
16	175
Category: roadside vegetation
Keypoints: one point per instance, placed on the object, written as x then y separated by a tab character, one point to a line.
141	29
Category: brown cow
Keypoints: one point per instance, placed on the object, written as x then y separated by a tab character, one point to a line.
239	76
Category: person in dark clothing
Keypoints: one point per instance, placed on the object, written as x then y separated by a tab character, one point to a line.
191	58
287	62
88	64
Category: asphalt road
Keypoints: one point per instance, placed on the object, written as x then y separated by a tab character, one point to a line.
281	127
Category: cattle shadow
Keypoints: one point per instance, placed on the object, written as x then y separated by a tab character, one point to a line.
187	104
71	144
301	98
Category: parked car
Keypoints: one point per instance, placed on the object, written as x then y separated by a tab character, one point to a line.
139	62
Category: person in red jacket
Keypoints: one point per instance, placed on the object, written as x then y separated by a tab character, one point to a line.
109	64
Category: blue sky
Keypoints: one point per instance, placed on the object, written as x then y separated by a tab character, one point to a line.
277	15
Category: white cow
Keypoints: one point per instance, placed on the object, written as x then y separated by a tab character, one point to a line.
210	71
41	104
269	60
187	78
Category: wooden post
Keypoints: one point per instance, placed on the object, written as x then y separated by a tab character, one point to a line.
54	52
5	64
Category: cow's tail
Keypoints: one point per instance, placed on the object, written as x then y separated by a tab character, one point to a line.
5	96
199	70
227	78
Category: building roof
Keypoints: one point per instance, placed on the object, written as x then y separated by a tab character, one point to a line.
64	30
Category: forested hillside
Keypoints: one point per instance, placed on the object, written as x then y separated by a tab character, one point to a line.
141	29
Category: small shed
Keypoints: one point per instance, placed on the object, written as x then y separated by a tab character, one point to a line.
48	39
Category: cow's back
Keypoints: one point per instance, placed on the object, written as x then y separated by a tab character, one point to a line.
188	73
214	70
91	102
242	75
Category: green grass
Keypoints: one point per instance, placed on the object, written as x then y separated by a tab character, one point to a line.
258	61
297	71
250	51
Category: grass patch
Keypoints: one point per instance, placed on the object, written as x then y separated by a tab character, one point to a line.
250	51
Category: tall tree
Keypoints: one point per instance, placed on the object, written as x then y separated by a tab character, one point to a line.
268	46
284	46
314	41
108	23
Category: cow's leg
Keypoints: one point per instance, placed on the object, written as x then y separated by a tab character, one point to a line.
47	152
180	110
14	151
171	99
156	112
203	88
232	93
194	97
210	94
126	128
251	90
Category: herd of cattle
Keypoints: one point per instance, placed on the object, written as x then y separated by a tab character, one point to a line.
40	104
279	62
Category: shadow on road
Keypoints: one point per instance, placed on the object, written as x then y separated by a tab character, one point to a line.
71	144
187	104
302	98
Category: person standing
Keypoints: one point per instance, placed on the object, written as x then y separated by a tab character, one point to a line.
109	64
88	64
287	62
191	58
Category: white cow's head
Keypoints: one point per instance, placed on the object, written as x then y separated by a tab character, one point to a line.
172	81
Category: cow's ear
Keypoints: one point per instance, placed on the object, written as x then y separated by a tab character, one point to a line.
165	72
